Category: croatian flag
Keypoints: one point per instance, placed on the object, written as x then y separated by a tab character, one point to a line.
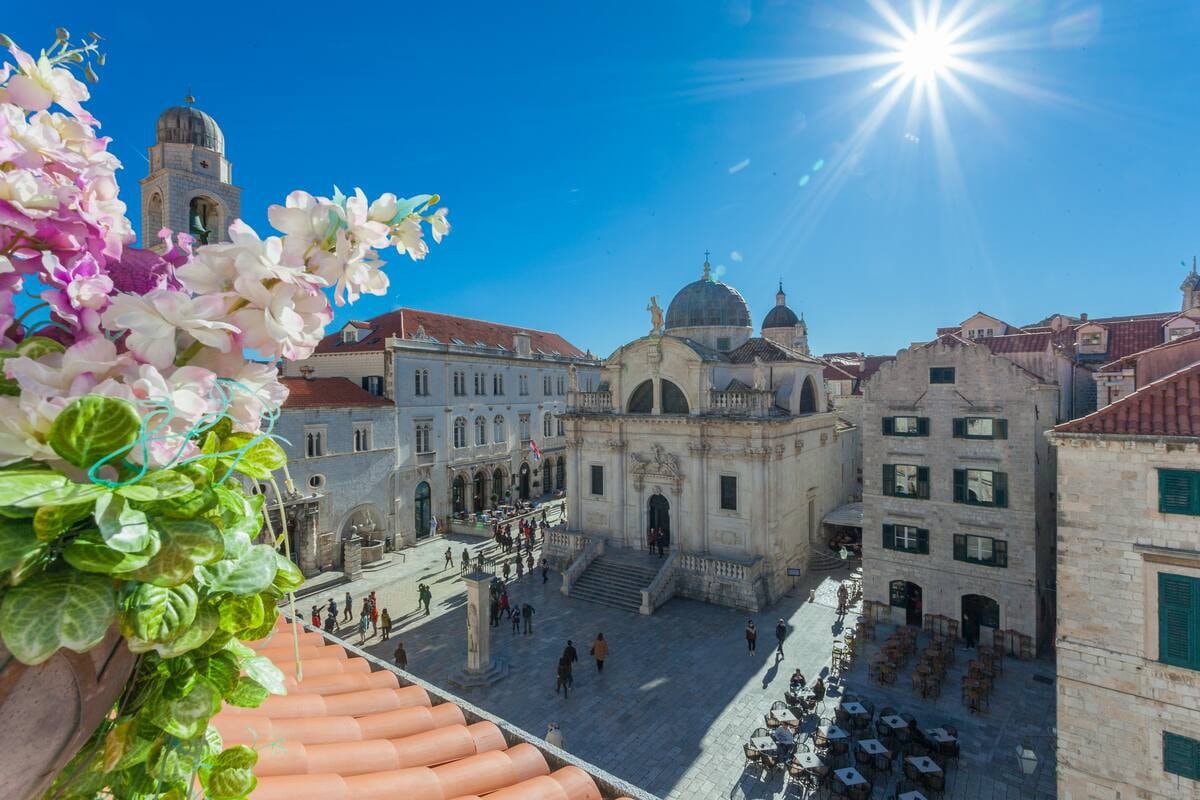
533	448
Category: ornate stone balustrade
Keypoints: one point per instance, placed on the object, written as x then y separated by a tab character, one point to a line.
740	402
593	548
590	402
662	588
741	584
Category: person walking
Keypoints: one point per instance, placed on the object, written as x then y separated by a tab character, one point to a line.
425	596
842	597
347	612
520	566
465	562
599	651
554	736
507	568
527	616
374	612
751	636
564	676
364	622
516	621
662	541
504	609
385	622
400	657
545	570
495	612
316	617
780	634
331	609
331	620
572	656
449	559
433	525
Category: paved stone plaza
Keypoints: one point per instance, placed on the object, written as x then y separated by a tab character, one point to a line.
680	693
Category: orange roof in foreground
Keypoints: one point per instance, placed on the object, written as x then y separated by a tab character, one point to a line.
322	392
1169	406
347	733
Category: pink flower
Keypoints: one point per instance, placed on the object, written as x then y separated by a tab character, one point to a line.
154	320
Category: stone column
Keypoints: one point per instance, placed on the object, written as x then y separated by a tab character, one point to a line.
481	668
352	558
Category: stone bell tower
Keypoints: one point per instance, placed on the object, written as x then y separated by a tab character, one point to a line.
1191	288
190	186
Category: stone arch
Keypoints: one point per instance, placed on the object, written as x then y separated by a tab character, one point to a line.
154	220
641	400
479	490
499	480
458	495
674	401
422	509
207	212
808	396
364	520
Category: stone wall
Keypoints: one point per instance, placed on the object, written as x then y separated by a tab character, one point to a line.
1115	699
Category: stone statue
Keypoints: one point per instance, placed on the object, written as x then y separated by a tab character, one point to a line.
760	375
572	378
472	641
656	316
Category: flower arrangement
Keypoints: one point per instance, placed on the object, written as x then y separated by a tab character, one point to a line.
131	415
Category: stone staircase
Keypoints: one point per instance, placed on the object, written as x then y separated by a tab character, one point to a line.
616	580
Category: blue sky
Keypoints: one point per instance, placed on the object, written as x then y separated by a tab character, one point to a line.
590	153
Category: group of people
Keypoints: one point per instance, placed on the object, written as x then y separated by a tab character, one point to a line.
781	632
370	616
563	672
502	606
657	539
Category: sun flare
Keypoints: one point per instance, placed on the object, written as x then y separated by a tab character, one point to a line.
926	54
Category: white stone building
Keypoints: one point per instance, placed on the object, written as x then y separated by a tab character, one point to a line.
721	439
1128	640
470	396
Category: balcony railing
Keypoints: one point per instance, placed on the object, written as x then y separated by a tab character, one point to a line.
741	402
590	402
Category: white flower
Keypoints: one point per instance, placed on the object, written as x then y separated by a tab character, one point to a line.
90	291
439	226
359	224
384	208
40	83
407	238
153	320
289	325
186	390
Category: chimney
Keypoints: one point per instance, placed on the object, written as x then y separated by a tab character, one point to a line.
522	343
1083	317
307	372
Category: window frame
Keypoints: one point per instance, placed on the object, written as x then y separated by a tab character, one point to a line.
596	474
728	492
920	538
317	446
999	557
962	487
460	432
523	426
361	436
922	482
480	430
1181	756
499	428
372	384
1190	621
1187	480
423	435
938	376
547	424
921	425
460	383
961	427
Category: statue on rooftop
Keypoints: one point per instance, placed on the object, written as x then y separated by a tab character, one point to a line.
656	316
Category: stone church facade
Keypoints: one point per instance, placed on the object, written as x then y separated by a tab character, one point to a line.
717	437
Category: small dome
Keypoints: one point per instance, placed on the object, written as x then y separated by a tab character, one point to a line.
188	125
780	317
706	303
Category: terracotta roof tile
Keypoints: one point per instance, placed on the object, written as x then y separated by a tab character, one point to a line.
344	732
766	350
1170	406
1017	342
404	323
1131	359
325	392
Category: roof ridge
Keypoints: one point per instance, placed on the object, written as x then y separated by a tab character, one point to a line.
1088	422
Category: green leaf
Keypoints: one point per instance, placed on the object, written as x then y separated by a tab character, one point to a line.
232	776
221	670
196	503
250	573
17	543
158	613
264	671
248	693
260	460
123	527
89	553
50	522
185	544
288	576
94	427
188	715
26	487
37	346
240	757
58	608
202	629
240	513
264	628
238	613
161	484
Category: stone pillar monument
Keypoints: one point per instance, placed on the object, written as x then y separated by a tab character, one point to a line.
481	668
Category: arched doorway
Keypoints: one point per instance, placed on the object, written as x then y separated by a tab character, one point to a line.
658	516
808	396
907	595
480	491
458	495
523	482
560	474
978	610
498	489
548	476
422	509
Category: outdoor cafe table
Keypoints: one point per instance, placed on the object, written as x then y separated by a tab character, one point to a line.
763	744
831	733
939	735
784	717
849	776
913	795
925	765
894	721
855	709
873	747
808	761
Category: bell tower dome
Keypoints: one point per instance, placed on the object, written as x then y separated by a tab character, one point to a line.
190	186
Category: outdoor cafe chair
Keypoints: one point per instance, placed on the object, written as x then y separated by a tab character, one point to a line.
752	755
771	722
905	786
935	782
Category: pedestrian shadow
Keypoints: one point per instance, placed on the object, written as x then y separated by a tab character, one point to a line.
772	671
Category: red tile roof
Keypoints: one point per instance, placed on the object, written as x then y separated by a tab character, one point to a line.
765	349
1018	342
324	392
343	732
404	323
1170	406
1131	359
1126	336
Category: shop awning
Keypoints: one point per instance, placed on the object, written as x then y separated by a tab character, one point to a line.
850	514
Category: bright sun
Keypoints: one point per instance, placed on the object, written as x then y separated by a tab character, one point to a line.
926	54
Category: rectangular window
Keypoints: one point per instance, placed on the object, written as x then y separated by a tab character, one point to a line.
373	384
1179	491
906	538
546	385
597	479
1090	339
480	383
941	374
981	487
362	437
980	428
523	425
898	594
1181	756
906	480
906	426
314	442
523	385
460	384
1179	620
497	384
423	437
349	336
729	492
980	550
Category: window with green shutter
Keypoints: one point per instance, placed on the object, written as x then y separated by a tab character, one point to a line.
906	480
906	539
1179	491
980	550
979	428
1179	620
905	426
981	487
1181	756
941	374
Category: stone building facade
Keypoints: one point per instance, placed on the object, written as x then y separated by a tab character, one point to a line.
469	398
958	483
1128	639
190	186
716	437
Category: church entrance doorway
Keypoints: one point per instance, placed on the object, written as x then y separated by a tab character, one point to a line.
422	509
658	514
524	482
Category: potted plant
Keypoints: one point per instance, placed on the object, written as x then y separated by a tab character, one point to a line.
129	417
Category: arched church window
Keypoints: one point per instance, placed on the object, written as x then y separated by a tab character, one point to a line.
673	399
642	399
808	396
154	219
203	219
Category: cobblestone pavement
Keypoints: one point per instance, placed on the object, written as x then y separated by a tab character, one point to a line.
680	692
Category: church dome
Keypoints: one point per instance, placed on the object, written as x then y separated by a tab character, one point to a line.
708	303
188	125
781	316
